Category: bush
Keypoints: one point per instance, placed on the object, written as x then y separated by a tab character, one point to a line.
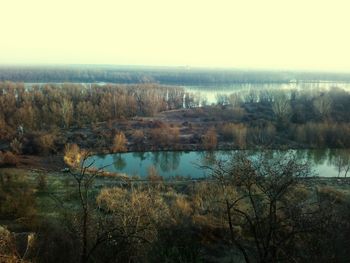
17	199
119	143
323	134
72	155
165	137
210	140
262	135
46	143
42	181
236	133
16	146
8	159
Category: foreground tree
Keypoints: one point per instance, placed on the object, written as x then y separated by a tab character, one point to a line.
264	197
112	224
9	252
82	221
132	219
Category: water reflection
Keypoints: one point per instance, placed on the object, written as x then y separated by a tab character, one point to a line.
141	155
208	158
341	160
169	161
327	163
118	162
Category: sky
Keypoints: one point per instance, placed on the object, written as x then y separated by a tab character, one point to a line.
267	34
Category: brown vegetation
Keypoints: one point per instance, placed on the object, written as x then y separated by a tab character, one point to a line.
42	119
8	159
251	210
209	139
119	143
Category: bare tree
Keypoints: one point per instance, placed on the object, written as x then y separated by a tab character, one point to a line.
210	140
119	143
67	112
281	107
342	162
263	135
323	105
222	99
237	133
119	218
264	197
85	218
9	251
265	96
235	99
132	219
251	96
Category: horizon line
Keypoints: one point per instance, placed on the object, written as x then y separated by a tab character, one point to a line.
186	67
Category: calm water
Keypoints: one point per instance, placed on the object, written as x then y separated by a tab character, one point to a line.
209	93
186	164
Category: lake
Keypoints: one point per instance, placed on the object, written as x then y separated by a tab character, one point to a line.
324	163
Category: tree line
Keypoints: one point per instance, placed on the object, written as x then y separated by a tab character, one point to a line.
175	76
310	118
55	106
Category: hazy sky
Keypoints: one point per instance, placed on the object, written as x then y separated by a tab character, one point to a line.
287	34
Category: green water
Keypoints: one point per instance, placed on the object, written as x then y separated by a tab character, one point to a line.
324	163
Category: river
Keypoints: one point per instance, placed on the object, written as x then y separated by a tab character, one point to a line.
324	163
210	93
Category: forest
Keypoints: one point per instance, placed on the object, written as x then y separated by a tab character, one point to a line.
42	119
55	206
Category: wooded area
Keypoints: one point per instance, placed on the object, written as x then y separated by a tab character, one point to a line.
56	207
263	209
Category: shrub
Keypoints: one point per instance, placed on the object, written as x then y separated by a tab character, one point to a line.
8	159
262	135
210	140
138	136
236	133
42	181
165	136
119	143
46	143
323	134
16	146
72	155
